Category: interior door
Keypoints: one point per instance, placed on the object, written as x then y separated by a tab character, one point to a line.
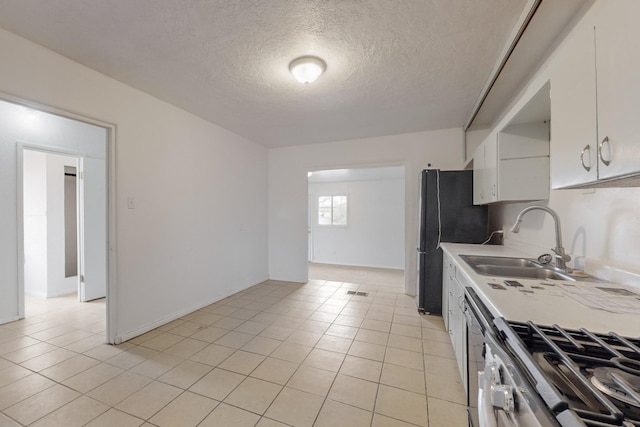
92	231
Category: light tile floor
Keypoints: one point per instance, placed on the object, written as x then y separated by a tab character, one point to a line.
276	354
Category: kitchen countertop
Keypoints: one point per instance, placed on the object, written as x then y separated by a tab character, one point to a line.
541	304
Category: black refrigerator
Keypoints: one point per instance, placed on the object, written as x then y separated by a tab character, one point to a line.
446	214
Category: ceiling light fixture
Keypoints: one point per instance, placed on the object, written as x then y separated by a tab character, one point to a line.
307	69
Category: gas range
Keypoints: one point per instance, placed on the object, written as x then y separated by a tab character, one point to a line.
583	378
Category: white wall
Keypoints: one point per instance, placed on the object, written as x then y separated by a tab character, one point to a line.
374	236
35	223
288	190
199	230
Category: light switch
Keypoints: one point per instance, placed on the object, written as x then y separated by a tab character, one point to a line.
131	203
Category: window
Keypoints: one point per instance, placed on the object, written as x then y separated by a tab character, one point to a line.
332	210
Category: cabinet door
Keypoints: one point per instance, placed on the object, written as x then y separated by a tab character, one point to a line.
478	175
490	175
458	324
573	111
618	68
449	274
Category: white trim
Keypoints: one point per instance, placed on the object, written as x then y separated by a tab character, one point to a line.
9	319
111	312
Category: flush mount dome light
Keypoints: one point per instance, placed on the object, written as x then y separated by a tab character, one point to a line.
307	68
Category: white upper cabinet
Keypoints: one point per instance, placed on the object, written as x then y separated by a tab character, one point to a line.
595	99
574	142
618	70
513	164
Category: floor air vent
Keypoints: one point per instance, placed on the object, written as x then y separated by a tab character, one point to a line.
360	294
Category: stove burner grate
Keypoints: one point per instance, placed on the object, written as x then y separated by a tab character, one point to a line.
618	384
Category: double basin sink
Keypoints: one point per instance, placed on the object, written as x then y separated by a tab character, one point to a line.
513	267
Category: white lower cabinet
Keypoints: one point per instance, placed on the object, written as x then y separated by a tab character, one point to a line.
453	313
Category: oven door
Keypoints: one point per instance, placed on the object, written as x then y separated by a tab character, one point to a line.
505	397
475	357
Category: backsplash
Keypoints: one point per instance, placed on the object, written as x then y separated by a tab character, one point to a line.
599	226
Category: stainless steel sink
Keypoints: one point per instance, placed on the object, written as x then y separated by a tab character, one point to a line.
513	267
501	261
524	272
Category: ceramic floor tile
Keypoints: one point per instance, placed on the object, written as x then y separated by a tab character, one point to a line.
29	352
23	388
402	405
69	368
262	345
275	370
234	339
407	320
280	333
162	341
351	321
18	342
364	369
41	404
113	417
404	378
226	415
367	350
376	325
444	413
156	365
77	413
382	421
405	343
295	407
292	352
186	348
209	334
254	395
372	337
48	359
312	380
186	410
212	355
408	359
354	392
342	331
305	338
242	362
440	349
13	373
336	414
251	327
92	377
119	388
324	359
435	335
446	388
217	384
334	343
441	366
406	330
149	400
185	374
7	422
228	323
131	357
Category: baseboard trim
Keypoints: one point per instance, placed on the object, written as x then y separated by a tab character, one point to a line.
126	336
9	319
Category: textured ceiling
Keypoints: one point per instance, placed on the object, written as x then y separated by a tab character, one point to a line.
392	66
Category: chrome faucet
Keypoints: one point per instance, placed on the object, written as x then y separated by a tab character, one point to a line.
560	256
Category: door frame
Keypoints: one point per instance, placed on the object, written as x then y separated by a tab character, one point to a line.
110	190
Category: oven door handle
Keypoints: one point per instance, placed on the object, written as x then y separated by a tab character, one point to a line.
485	408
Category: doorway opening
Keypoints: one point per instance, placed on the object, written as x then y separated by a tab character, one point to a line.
356	225
63	220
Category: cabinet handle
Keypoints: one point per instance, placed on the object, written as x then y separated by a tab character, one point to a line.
493	190
586	148
606	162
